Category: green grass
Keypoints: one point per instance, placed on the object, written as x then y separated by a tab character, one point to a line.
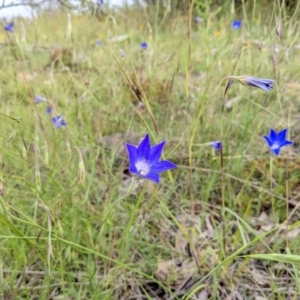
70	231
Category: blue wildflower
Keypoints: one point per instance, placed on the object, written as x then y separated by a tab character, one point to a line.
59	121
99	43
236	24
144	160
217	145
9	27
276	140
100	2
48	110
261	83
38	99
144	45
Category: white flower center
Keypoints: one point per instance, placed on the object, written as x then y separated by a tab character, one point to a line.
142	167
275	146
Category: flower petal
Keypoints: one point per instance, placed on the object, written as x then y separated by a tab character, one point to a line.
152	176
133	155
144	147
268	140
236	24
264	80
133	170
285	143
55	121
272	135
276	151
155	152
162	166
144	45
217	145
281	135
9	27
261	83
262	86
48	110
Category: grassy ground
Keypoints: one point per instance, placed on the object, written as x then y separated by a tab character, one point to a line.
74	232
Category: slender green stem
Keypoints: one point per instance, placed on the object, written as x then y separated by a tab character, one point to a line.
287	195
119	199
132	216
253	12
223	199
271	188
